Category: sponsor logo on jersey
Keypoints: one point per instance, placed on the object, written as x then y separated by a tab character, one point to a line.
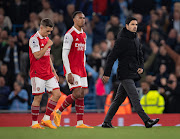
80	46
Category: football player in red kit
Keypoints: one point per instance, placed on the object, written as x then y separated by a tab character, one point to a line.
73	56
42	73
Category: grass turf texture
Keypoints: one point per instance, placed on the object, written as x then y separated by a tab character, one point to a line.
96	133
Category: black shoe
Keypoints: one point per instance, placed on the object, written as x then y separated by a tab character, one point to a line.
107	125
150	123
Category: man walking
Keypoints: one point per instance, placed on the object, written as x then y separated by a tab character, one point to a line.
128	51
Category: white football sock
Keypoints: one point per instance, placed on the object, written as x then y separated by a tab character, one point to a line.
80	122
34	122
46	117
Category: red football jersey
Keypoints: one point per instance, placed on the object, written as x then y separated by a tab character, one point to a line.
39	68
77	49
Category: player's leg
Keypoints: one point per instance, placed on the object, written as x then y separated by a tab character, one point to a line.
52	86
79	104
38	89
72	97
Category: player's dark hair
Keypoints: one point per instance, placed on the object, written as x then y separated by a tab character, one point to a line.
75	13
46	22
129	19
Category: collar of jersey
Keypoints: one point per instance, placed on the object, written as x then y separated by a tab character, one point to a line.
78	32
41	37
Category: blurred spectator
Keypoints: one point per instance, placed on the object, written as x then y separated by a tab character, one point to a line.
94	60
120	9
21	78
4	93
34	19
110	39
177	47
148	63
175	56
56	51
18	11
46	11
100	7
171	40
68	17
31	29
114	25
104	52
11	56
161	74
150	79
86	6
55	32
174	98
7	21
24	52
7	76
153	102
100	91
18	98
162	58
59	22
98	27
3	41
175	21
89	35
145	87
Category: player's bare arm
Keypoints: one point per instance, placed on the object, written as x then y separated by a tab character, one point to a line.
53	70
40	53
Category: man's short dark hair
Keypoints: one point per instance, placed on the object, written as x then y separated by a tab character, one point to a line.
75	13
46	22
129	19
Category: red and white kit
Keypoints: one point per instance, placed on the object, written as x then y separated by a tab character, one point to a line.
75	45
40	70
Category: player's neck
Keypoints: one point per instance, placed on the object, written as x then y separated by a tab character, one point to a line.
77	27
40	33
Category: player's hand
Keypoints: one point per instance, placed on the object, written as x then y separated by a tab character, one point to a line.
70	78
49	43
105	79
140	71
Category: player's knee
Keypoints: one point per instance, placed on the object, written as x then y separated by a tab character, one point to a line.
58	94
77	94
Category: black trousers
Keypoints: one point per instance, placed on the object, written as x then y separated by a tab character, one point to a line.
126	87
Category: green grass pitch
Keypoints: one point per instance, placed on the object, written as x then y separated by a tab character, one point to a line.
96	133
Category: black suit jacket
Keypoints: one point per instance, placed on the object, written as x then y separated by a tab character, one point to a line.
128	51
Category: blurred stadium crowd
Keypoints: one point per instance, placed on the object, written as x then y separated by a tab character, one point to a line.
158	31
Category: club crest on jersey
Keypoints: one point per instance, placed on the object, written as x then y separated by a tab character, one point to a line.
76	82
80	46
38	88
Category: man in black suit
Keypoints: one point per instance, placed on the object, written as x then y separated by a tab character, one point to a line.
128	51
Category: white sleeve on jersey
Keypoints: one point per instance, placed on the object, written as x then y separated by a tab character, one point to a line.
68	39
34	44
65	54
84	59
